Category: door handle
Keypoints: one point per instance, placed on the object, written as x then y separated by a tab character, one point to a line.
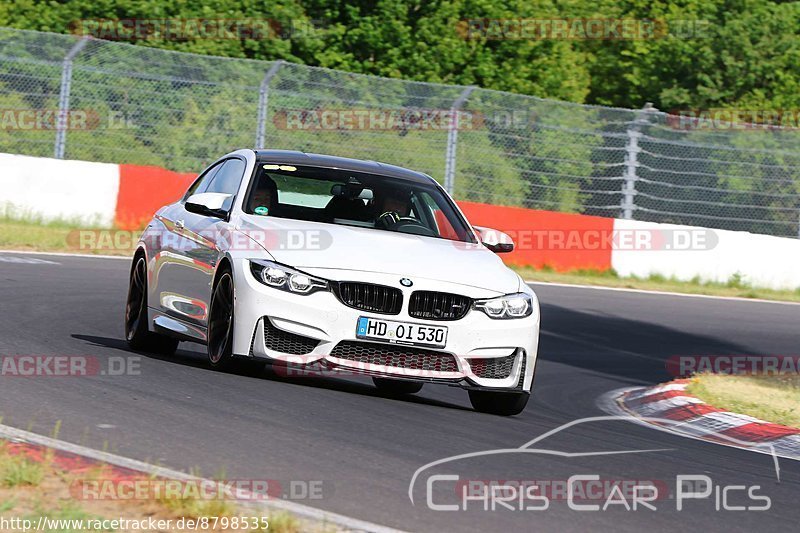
179	224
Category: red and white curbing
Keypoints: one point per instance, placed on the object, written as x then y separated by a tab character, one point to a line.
671	407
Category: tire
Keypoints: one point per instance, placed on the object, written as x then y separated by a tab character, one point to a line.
499	403
138	336
396	386
221	322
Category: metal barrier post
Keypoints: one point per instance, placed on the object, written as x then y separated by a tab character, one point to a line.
263	100
452	141
632	161
63	98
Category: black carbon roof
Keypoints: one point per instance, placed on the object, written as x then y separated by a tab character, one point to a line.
343	163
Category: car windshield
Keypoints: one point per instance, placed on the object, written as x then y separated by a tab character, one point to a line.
359	199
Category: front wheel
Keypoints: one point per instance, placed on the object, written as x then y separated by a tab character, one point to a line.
220	322
499	403
139	337
396	386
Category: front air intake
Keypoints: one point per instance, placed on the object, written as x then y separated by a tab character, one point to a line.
395	356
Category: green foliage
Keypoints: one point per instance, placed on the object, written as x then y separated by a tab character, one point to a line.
713	53
187	109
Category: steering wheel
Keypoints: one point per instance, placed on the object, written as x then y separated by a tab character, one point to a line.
388	219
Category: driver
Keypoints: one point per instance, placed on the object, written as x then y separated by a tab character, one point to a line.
264	196
393	204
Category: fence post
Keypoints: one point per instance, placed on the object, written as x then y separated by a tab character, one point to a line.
263	100
452	141
63	98
632	159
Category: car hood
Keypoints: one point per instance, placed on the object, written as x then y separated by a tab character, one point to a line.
304	244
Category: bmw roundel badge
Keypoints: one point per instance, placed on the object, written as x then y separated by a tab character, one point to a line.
405	282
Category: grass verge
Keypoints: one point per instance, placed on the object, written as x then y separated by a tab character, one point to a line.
30	489
771	398
64	237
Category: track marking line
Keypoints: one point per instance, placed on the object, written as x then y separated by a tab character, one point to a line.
25	260
660	293
67	254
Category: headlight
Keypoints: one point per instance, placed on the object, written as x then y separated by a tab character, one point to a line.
517	305
286	278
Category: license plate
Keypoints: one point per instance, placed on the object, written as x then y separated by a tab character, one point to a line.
401	332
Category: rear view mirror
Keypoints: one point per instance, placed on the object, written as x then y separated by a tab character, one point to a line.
210	204
495	240
351	191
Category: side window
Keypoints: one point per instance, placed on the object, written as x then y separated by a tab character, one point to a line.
201	183
228	179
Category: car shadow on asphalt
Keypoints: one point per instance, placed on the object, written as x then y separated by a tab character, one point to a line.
264	371
636	351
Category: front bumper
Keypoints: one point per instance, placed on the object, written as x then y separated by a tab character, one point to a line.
319	331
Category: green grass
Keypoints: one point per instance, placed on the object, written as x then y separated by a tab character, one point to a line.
735	286
35	489
52	236
17	471
770	398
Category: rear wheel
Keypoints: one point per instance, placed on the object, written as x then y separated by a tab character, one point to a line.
220	322
136	332
499	403
396	386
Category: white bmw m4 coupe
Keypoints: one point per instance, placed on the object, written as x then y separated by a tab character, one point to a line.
339	265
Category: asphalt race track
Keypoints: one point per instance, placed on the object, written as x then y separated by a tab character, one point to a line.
365	447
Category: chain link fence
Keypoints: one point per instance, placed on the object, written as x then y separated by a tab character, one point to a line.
70	97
